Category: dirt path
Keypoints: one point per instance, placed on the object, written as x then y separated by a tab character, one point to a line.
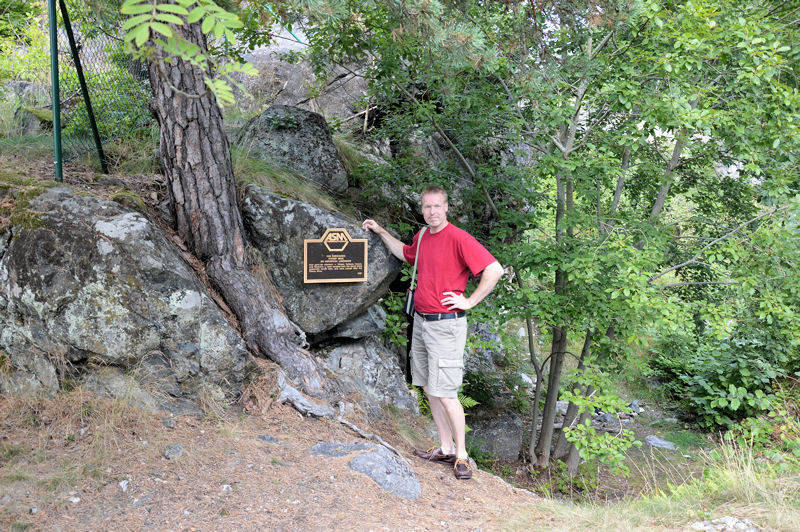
226	479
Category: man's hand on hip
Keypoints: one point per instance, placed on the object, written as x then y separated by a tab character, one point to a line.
455	301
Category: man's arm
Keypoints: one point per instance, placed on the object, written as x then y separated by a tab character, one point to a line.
394	245
491	274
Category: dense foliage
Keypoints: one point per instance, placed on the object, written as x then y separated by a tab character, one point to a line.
633	162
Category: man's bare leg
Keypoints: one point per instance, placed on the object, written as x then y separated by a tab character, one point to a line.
442	420
455	417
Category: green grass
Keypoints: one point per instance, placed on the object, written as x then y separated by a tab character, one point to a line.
283	182
19	475
9	452
62	480
134	153
27	147
685	439
735	482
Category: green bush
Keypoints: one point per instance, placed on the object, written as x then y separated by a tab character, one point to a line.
24	49
720	381
775	431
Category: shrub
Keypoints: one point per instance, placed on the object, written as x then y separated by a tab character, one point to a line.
720	380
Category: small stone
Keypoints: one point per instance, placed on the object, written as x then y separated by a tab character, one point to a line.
139	502
168	422
655	441
74	500
604	418
268	439
34	509
173	451
124	485
226	487
6	499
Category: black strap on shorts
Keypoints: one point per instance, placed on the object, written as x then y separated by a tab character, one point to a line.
442	315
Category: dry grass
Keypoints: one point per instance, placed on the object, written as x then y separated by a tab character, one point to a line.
70	456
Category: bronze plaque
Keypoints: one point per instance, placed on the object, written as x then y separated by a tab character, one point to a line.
335	258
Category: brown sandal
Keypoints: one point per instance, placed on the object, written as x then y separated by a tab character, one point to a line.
435	454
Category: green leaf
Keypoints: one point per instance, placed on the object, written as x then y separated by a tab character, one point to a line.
172	8
163	29
208	25
196	14
135	21
735	404
133	8
234	24
169	19
141	34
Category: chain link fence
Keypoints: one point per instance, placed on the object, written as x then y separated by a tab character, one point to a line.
118	88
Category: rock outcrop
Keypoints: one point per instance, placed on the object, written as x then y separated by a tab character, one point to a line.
369	370
498	433
94	292
278	227
297	139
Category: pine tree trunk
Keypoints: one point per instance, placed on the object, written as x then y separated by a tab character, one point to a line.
197	163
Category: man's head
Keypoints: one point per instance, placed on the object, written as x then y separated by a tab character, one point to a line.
434	207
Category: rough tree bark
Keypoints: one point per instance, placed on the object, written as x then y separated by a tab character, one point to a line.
196	158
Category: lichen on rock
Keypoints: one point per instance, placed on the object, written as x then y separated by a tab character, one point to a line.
95	283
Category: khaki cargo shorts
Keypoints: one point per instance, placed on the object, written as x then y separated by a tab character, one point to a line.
437	355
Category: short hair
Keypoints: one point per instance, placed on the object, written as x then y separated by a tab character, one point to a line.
433	189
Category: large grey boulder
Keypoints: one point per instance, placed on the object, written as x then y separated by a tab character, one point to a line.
297	139
370	371
278	227
25	98
87	284
496	432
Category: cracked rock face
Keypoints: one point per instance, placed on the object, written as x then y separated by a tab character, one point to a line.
278	227
94	285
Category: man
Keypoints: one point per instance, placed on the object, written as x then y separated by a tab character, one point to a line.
446	257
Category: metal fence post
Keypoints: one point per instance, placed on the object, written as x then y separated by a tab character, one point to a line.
57	159
84	90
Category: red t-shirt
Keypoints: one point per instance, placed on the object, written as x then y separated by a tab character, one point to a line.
445	260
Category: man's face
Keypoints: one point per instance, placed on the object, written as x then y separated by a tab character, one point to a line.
434	210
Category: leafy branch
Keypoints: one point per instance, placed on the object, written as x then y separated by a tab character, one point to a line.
151	30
